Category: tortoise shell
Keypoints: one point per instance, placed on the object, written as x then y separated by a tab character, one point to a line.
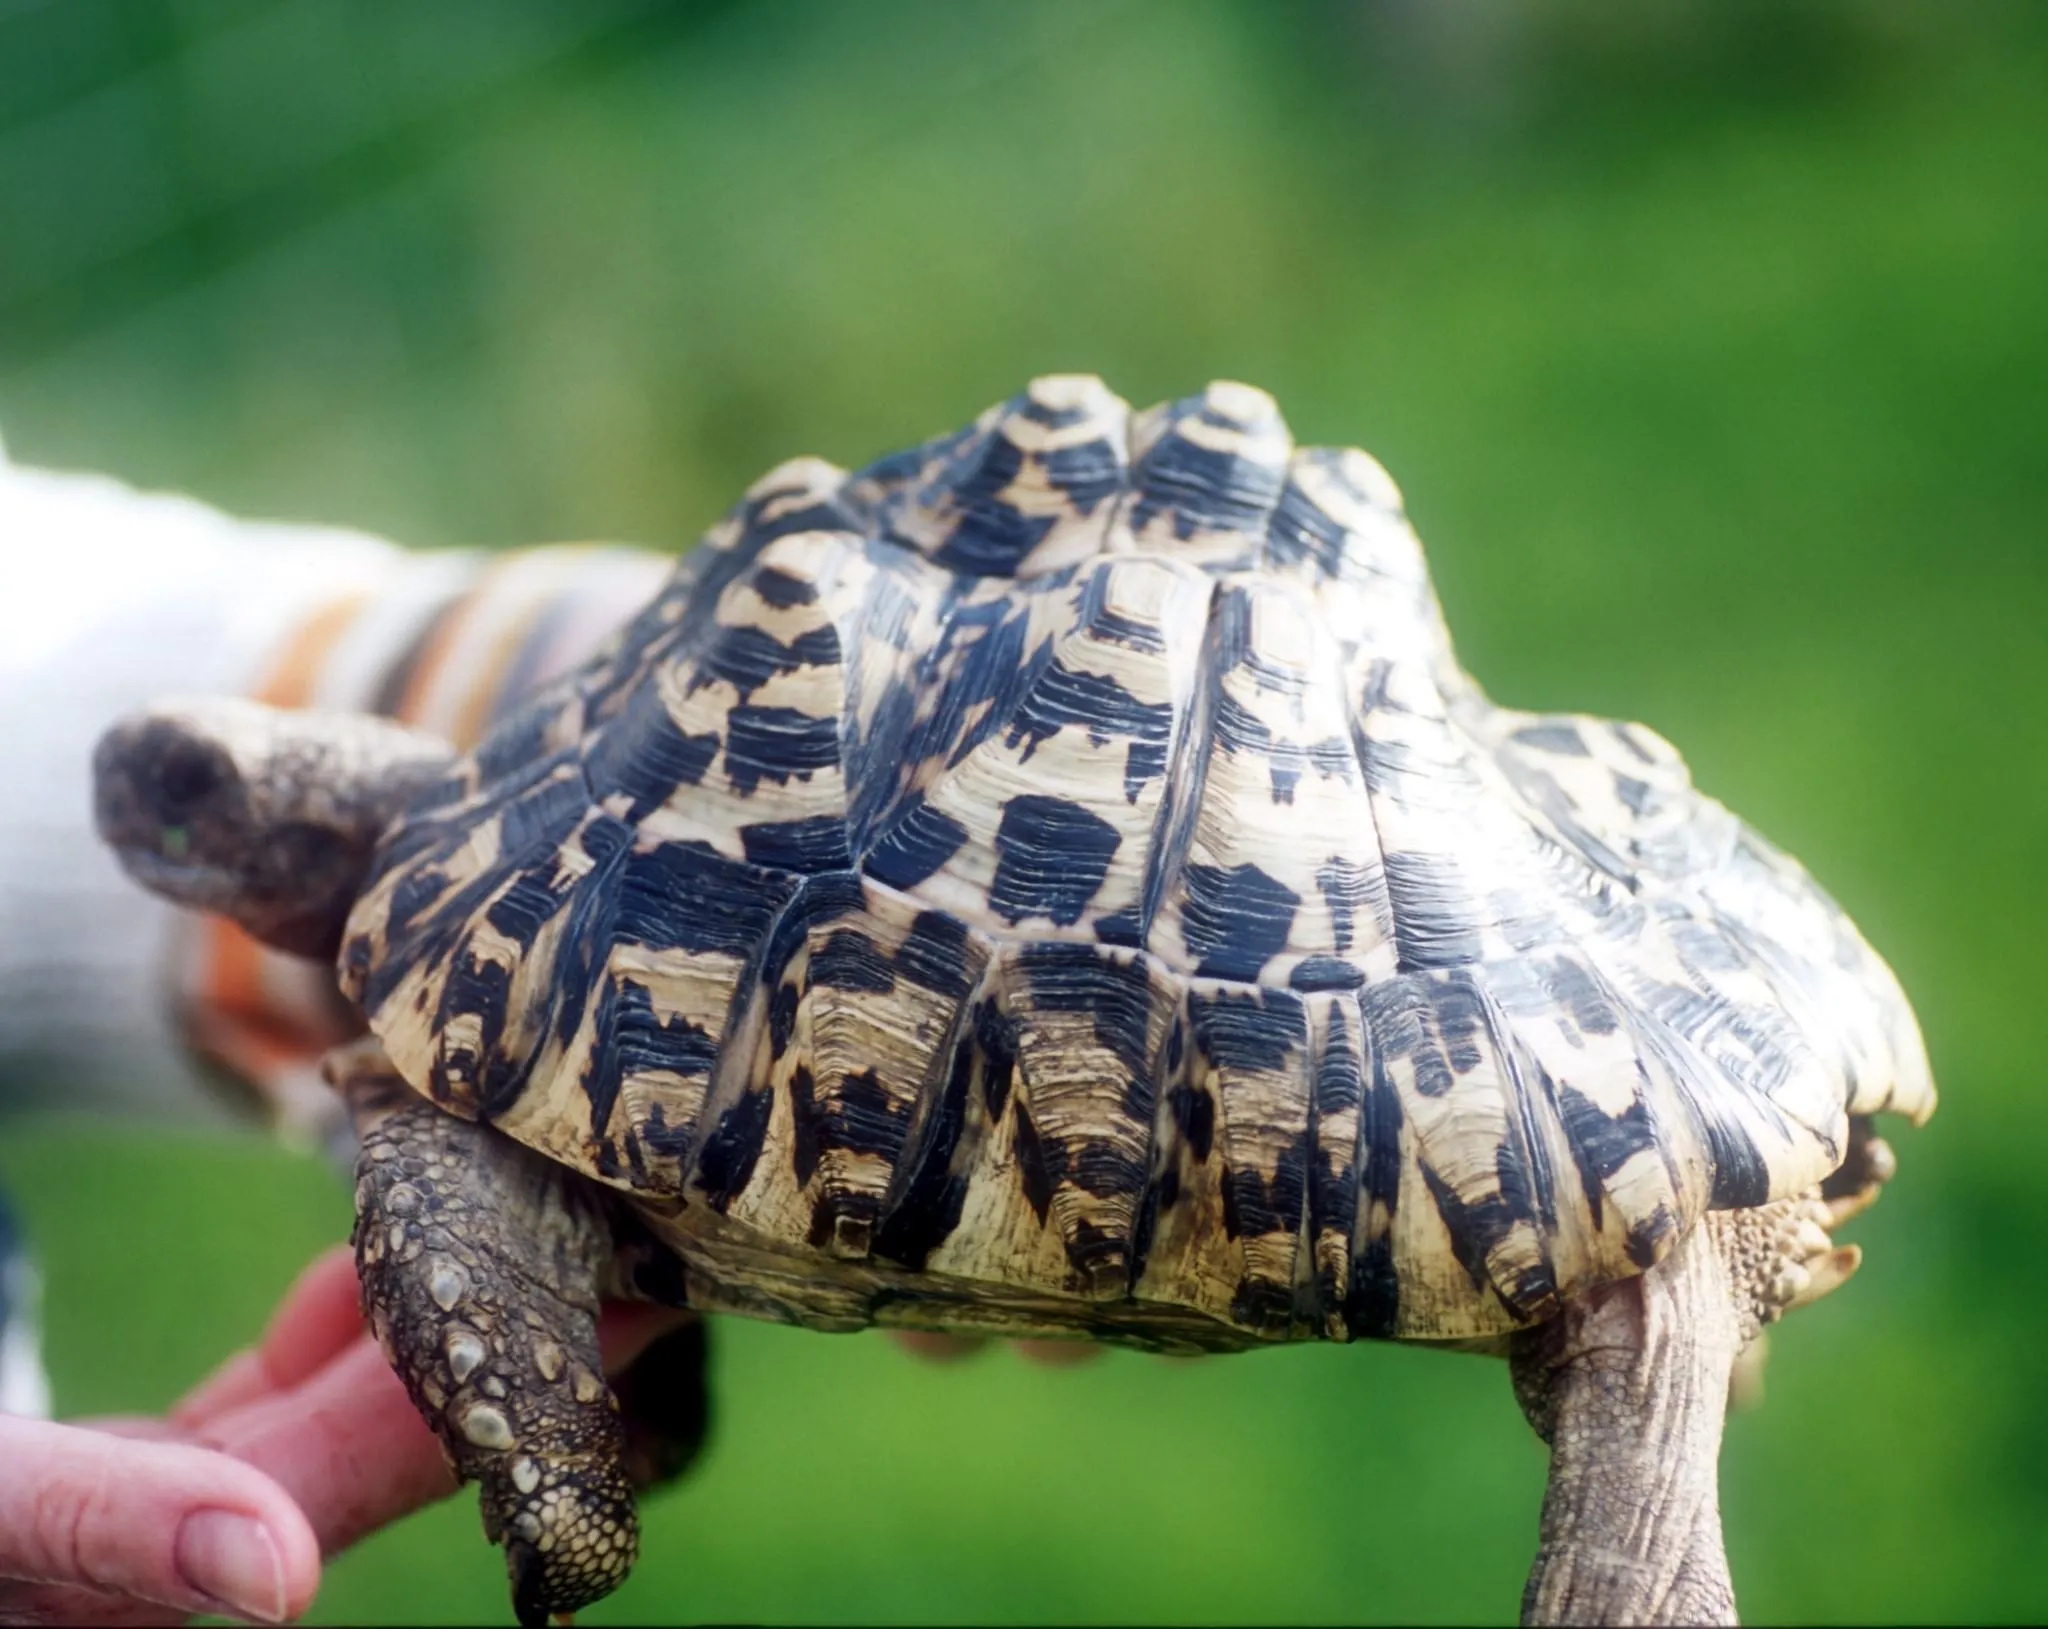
1059	878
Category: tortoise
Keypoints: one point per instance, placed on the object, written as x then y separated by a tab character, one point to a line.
1058	880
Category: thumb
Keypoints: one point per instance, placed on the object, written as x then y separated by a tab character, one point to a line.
154	1521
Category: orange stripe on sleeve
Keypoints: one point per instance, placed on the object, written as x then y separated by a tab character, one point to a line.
290	680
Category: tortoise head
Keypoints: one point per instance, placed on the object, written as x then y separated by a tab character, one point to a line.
264	815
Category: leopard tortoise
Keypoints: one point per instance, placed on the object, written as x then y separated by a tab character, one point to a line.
1059	881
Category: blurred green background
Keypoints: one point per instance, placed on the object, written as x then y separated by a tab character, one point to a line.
1710	345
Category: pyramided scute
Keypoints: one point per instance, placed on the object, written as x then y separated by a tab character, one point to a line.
1060	878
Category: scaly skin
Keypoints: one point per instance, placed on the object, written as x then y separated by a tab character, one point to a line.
481	1267
1629	1386
267	817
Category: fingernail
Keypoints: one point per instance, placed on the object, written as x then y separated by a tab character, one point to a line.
233	1559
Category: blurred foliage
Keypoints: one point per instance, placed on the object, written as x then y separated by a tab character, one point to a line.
1709	342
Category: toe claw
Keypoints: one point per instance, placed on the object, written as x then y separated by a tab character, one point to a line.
1828	1273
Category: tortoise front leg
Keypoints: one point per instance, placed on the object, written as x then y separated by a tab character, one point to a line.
1629	1386
481	1265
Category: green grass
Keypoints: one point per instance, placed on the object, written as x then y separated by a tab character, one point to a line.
1719	397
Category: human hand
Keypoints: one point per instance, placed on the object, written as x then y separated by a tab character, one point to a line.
308	1439
290	1451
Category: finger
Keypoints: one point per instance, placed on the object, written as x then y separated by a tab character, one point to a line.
317	1319
936	1348
347	1444
81	1608
137	1427
625	1329
158	1521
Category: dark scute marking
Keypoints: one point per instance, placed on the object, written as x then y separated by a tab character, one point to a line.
1742	1180
1092	1249
1051	858
1236	919
782	1018
645	1042
916	844
782	590
1575	989
1374	1299
1161	1193
1476	1228
1033	1173
1085	474
935	1195
850	960
1303	530
1286	764
778	744
1237	727
642	754
1334	759
1028	406
415	892
1333	1179
1325	973
1253	1205
805	1145
893	472
1637	796
934	954
1262	1305
806	846
422	837
519	740
481	988
747	657
1558	738
520	912
874	756
1119	629
687	896
1124	927
1253	1030
991	536
1205	489
1093	702
1193	1112
734	1147
859	1114
818	900
995	1034
1115	994
1434	912
1143	761
544	815
435	795
1461	1020
991	665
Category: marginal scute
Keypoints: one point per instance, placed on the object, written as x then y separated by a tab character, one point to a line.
1059	878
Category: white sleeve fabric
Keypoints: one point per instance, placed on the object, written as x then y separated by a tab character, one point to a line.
111	597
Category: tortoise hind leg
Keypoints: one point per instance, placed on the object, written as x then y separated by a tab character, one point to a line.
481	1265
